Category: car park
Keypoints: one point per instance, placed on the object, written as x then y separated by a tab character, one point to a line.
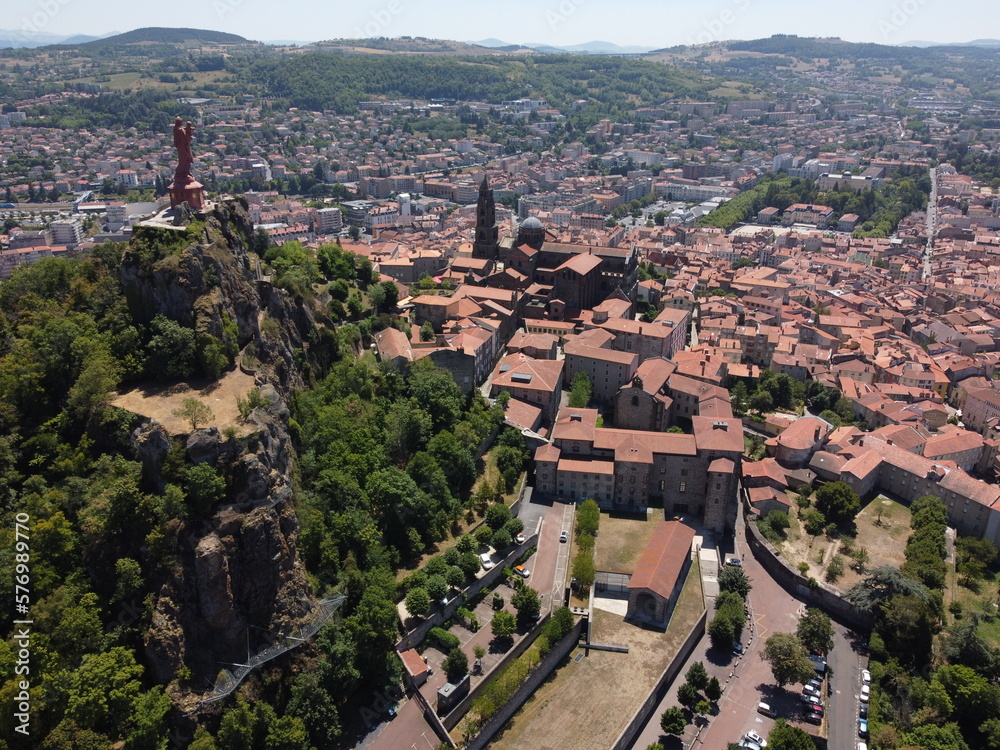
486	561
563	536
748	745
865	693
754	737
866	676
862	727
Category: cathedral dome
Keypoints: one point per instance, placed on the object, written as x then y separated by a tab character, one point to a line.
531	222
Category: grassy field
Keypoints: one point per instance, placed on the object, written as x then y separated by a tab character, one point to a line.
621	540
587	703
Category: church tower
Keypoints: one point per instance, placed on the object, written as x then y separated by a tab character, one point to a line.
487	235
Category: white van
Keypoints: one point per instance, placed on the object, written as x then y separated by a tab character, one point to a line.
763	708
486	561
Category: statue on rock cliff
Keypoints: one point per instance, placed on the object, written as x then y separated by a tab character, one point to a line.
185	188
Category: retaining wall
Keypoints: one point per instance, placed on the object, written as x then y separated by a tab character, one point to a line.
538	675
821	595
454	716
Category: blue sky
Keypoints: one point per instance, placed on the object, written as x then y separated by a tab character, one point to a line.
655	23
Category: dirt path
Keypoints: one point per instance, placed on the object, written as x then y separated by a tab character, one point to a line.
158	401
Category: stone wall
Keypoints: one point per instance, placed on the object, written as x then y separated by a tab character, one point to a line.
454	716
536	678
820	595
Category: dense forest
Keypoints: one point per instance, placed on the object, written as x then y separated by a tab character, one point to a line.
328	81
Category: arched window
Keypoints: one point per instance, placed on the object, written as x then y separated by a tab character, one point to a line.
635	401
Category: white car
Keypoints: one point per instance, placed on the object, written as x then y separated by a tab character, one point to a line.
519	538
563	536
486	561
756	738
865	693
866	676
810	690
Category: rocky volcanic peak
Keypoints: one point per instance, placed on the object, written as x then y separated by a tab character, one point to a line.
237	570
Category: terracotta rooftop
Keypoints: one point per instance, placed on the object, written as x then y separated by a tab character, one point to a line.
663	559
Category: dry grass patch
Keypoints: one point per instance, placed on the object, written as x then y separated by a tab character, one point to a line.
587	704
158	402
621	540
883	527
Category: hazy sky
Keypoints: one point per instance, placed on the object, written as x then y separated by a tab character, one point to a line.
655	23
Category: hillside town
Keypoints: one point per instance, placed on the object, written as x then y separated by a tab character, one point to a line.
684	327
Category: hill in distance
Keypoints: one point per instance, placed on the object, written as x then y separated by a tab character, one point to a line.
168	35
587	48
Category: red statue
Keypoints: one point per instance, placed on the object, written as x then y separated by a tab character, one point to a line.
185	158
185	189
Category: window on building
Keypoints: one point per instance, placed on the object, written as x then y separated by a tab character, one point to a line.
682	487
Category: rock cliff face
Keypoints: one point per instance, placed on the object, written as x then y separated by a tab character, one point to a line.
237	575
201	275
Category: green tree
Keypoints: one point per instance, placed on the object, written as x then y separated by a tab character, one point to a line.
713	691
427	332
580	391
437	588
787	657
785	737
815	630
527	603
722	632
687	695
761	402
584	570
456	665
838	502
673	721
194	411
504	625
734	579
418	601
204	487
697	676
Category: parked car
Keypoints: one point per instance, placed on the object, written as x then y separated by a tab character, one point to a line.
522	571
816	708
865	693
866	676
816	682
748	745
862	746
734	562
806	698
810	690
763	708
814	718
737	648
563	536
863	728
486	561
863	710
519	538
754	737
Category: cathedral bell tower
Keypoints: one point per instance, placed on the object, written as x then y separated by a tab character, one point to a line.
487	235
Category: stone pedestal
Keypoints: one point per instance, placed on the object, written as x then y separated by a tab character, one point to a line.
192	192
